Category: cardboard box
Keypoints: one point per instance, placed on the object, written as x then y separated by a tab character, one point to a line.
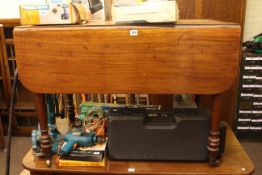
149	11
91	10
41	14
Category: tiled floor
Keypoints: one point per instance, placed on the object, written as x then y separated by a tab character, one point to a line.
254	149
20	146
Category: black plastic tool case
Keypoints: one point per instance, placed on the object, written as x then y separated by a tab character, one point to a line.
137	134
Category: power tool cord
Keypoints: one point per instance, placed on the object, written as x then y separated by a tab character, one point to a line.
9	134
94	119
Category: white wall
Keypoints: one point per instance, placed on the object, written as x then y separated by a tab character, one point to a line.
253	22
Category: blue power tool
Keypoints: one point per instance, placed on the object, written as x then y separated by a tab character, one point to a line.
81	139
56	137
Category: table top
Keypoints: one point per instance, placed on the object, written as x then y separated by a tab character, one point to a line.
193	56
180	22
235	161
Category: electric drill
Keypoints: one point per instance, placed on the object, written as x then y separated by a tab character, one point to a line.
81	139
56	136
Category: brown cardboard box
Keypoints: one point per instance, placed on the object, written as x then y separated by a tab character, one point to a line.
41	14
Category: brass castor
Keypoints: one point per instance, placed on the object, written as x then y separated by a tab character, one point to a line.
214	162
48	162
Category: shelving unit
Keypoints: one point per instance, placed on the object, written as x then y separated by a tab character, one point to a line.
25	112
249	105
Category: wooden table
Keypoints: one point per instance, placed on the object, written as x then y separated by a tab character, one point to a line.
193	56
235	161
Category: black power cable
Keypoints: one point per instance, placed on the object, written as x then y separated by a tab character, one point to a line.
9	134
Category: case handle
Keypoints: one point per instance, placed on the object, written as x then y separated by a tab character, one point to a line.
159	120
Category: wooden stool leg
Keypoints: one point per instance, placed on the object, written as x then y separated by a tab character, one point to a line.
2	140
42	118
70	107
213	139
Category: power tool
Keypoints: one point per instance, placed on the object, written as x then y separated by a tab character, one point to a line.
256	44
56	137
81	139
95	5
65	15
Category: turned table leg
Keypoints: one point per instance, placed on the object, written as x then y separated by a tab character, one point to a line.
70	107
213	139
42	118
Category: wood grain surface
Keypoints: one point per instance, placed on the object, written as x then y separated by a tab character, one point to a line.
187	8
9	22
199	59
225	10
235	161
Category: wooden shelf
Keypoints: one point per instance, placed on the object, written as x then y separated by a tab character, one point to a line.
235	161
9	41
